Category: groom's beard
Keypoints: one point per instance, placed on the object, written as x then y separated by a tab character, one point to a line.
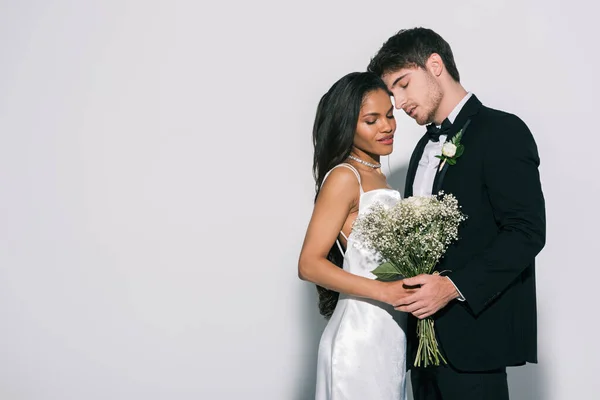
433	100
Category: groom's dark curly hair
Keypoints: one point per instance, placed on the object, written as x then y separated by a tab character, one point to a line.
412	48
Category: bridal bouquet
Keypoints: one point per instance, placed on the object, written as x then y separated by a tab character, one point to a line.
410	238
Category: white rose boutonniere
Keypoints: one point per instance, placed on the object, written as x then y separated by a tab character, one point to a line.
451	150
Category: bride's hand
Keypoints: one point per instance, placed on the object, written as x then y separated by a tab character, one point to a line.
394	293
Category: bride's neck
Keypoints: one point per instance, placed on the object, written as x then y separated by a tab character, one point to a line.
363	155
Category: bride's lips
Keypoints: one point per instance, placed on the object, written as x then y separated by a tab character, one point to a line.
387	140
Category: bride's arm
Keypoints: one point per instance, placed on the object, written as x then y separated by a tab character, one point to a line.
338	196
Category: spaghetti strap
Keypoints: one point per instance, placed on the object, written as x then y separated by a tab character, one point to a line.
351	168
340	246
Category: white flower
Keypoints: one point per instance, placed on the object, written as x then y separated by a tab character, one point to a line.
416	201
449	150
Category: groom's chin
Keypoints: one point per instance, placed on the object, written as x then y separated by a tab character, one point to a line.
419	120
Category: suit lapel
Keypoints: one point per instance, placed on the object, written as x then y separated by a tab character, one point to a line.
441	174
412	166
463	119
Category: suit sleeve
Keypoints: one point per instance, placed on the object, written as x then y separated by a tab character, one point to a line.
513	185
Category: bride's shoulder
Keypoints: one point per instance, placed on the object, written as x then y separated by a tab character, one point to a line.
340	181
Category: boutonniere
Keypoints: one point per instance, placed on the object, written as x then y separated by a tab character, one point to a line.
451	150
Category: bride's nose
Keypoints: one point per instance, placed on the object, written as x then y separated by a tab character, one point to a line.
386	126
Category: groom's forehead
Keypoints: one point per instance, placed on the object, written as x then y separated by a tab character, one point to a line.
392	78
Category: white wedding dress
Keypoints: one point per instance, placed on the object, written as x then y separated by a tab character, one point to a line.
362	353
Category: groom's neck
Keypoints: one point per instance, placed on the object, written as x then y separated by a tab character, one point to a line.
453	93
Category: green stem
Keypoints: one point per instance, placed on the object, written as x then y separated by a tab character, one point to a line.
428	352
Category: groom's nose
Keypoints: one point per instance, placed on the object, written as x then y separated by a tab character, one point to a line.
399	102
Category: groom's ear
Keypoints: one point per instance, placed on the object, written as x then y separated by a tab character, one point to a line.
435	64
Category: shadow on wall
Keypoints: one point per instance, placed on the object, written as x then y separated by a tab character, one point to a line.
527	382
397	178
313	324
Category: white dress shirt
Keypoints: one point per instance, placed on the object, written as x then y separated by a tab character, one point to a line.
429	164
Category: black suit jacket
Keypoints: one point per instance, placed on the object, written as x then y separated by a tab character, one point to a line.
496	181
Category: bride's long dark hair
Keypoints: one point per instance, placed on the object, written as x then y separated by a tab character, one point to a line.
333	137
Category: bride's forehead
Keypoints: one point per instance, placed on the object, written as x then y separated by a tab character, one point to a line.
376	98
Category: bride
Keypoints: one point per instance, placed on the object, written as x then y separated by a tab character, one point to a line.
362	353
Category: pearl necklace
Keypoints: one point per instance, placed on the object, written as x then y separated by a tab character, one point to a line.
368	164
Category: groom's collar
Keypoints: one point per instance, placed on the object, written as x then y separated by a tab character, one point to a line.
457	109
470	108
454	113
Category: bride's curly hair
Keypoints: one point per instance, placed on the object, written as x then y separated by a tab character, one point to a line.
333	136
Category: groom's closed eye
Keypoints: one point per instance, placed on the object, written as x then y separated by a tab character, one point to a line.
399	79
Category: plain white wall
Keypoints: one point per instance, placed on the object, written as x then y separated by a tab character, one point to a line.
155	185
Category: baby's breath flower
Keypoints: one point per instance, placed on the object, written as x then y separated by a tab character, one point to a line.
414	234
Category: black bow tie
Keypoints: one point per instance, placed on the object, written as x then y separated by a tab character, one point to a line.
434	132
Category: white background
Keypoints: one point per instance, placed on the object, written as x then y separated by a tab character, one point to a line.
155	177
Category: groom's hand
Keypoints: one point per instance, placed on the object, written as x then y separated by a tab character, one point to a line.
434	293
396	292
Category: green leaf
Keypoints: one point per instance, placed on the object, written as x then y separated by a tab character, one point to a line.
440	157
457	137
451	161
460	149
387	272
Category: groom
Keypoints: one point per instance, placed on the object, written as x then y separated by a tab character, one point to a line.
484	305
